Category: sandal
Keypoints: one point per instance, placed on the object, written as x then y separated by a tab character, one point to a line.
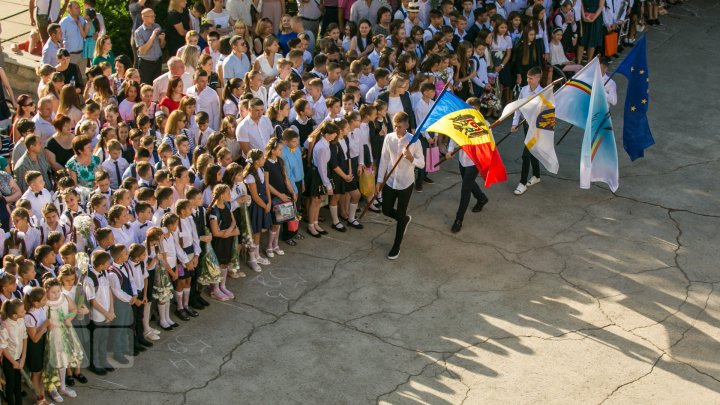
291	242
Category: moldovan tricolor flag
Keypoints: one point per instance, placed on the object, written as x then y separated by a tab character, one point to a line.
598	154
467	127
573	99
540	138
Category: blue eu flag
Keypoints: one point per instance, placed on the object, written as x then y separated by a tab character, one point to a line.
636	131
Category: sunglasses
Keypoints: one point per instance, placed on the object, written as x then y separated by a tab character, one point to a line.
29	105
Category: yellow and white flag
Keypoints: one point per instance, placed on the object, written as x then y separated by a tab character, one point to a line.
540	138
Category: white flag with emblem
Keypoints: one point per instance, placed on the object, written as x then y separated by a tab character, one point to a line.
540	137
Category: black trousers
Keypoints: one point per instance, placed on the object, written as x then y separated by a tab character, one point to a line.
149	70
99	334
527	160
420	174
469	186
138	312
397	211
330	16
13	387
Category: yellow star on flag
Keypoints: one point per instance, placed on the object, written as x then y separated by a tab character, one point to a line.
642	72
644	101
633	108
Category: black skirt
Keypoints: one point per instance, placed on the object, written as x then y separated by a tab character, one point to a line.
35	354
313	183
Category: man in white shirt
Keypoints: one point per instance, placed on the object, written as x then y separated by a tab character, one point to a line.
207	98
398	188
176	68
45	12
43	119
367	9
413	17
52	45
533	87
255	130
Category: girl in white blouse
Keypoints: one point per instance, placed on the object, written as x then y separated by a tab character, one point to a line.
13	342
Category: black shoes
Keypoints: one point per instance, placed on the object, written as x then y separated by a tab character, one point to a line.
202	300
356	224
428	180
194	304
191	312
339	227
121	360
418	187
97	370
457	226
180	313
69	381
480	204
81	378
143	342
394	253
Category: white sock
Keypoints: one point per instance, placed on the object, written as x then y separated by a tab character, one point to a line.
62	372
167	314
179	299
276	241
161	313
351	213
146	316
186	297
271	240
334	214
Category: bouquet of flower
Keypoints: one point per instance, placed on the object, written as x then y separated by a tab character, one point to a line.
84	227
163	289
210	273
83	264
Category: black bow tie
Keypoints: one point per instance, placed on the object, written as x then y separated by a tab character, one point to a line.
38	194
143	226
166	210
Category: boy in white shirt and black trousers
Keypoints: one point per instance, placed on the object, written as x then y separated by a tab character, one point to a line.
98	294
533	87
125	293
399	186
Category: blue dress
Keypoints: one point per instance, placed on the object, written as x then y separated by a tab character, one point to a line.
89	48
259	219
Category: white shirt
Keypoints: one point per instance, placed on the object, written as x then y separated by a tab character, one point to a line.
463	158
330	89
230	108
109	165
319	109
160	85
51	8
209	102
139	230
189	235
139	274
44	129
101	294
321	157
610	90
256	134
404	175
362	136
421	110
373	93
123	236
38	200
115	285
525	92
12	334
125	109
374	57
169	247
240	10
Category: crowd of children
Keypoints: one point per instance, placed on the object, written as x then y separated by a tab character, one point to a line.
126	190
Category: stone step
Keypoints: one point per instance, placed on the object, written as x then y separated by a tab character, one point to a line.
20	69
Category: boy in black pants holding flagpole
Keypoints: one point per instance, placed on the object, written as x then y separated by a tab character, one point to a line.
399	186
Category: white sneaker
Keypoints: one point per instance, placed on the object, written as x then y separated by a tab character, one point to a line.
68	392
263	261
56	396
533	181
151	336
521	188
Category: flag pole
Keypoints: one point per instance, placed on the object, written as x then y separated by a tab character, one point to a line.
400	158
573	126
499	120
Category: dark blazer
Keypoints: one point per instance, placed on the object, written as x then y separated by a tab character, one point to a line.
407	107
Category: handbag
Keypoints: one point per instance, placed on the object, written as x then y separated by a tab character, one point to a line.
367	182
432	157
283	212
611	43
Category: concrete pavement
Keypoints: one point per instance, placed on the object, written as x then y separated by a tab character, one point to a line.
561	295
